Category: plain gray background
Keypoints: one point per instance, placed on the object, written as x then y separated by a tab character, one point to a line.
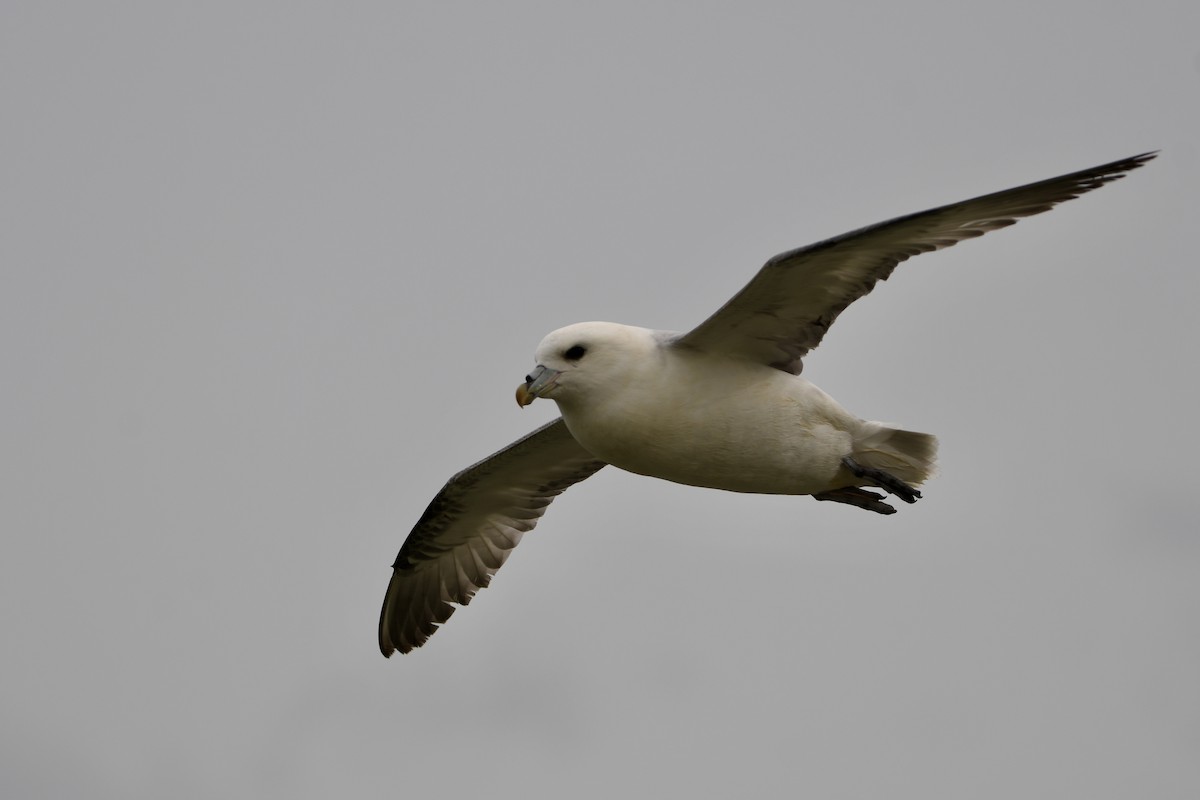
271	273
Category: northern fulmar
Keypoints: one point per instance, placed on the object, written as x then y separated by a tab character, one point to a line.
722	406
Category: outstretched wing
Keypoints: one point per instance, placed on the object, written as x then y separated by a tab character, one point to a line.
786	308
470	527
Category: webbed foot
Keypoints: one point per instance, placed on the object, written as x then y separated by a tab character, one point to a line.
855	496
884	480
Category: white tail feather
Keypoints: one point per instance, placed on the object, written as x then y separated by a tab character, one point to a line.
910	456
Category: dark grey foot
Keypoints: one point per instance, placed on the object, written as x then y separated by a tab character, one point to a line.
884	480
855	496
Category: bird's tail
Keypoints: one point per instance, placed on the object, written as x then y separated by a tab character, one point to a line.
910	456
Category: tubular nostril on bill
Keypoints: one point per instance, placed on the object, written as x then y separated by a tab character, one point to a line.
529	379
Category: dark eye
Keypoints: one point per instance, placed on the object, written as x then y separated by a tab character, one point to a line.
575	353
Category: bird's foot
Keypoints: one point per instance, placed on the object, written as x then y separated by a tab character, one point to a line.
855	496
884	480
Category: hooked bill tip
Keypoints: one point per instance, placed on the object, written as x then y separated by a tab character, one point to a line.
524	396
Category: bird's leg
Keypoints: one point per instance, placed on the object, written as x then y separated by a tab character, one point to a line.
884	480
855	496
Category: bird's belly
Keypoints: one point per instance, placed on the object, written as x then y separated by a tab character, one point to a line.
715	445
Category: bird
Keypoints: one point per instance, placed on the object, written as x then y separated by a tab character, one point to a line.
722	406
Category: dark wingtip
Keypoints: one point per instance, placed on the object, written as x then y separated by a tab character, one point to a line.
1128	164
385	643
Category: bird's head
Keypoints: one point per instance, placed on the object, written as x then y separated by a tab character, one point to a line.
589	359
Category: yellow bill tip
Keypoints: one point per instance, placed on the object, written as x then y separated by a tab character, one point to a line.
524	396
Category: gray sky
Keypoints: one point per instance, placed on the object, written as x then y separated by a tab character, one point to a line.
271	273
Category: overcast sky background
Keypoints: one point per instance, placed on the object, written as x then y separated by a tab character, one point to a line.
271	272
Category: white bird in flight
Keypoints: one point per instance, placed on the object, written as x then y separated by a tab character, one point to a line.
721	406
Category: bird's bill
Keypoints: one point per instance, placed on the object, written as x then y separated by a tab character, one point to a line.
536	384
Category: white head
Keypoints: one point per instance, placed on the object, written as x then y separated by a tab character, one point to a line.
588	359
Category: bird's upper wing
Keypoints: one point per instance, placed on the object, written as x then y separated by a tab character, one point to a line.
469	528
787	307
